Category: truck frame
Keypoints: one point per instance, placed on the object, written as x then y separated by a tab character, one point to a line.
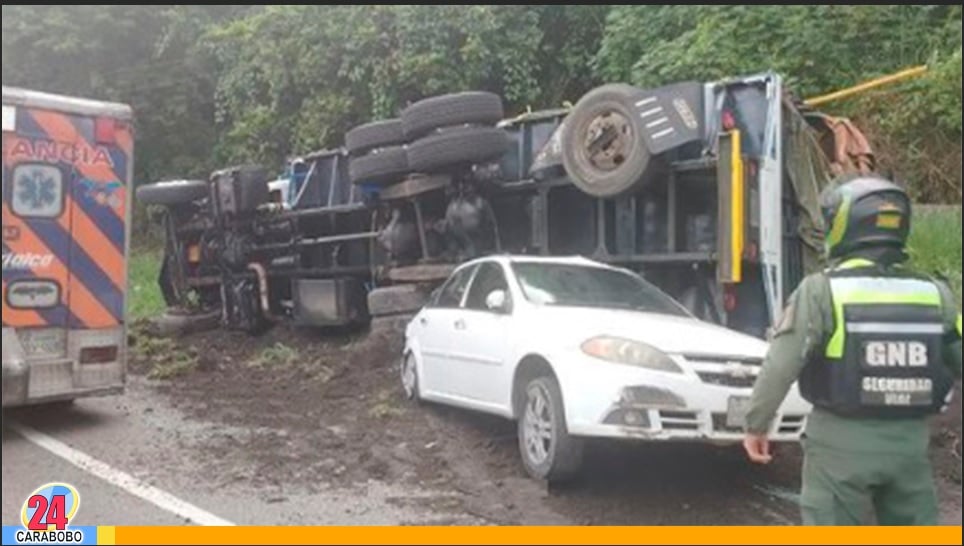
708	189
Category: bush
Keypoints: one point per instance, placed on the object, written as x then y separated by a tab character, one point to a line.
935	245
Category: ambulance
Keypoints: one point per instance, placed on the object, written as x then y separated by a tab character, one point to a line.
67	173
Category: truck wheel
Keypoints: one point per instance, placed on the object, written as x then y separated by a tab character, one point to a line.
548	451
173	192
602	143
473	107
173	324
396	300
384	165
458	146
378	134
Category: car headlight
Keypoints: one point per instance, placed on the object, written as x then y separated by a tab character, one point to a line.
633	353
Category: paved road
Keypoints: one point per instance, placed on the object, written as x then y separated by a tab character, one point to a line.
136	460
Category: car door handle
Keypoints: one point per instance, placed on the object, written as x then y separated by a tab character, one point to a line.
460	324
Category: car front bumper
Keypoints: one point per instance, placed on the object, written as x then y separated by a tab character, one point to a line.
606	400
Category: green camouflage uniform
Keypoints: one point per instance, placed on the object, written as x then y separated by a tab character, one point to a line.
853	467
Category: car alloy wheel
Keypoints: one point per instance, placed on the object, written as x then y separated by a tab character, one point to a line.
537	425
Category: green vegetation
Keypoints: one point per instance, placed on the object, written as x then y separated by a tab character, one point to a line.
935	245
278	355
146	300
164	357
213	85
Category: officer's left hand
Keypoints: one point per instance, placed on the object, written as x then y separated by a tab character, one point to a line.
757	447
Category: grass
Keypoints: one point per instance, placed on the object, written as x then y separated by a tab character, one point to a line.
166	358
935	245
179	363
146	300
276	356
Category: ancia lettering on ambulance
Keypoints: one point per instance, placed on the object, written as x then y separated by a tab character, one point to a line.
49	151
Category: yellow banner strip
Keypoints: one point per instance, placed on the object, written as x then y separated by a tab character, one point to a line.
106	536
743	536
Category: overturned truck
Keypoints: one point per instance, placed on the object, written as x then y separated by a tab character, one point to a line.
708	189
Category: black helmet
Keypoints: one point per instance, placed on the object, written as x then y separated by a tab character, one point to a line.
865	211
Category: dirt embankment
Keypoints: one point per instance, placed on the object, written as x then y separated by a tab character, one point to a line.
327	412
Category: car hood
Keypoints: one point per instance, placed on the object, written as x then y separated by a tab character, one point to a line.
670	334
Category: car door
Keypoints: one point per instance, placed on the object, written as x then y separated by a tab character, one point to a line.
435	330
482	341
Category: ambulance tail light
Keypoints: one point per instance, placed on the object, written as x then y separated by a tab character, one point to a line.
105	130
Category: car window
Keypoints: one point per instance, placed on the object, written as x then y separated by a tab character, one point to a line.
454	289
587	286
490	277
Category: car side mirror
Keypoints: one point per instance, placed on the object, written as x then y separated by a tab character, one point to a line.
497	301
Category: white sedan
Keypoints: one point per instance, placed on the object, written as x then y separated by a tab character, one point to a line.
573	349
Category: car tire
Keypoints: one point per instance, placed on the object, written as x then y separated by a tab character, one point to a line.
472	107
173	193
396	300
621	166
411	386
548	452
382	166
378	134
455	147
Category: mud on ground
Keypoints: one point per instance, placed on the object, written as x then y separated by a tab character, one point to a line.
328	412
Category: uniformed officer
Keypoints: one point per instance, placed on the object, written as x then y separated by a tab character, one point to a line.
875	348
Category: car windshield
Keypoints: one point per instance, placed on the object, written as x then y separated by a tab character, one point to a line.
587	286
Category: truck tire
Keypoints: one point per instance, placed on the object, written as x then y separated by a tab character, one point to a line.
472	107
173	192
378	134
396	300
384	165
602	144
457	146
171	324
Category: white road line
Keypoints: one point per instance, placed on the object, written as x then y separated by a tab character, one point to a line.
120	479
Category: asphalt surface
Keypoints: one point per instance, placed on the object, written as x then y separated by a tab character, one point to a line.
233	443
142	436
